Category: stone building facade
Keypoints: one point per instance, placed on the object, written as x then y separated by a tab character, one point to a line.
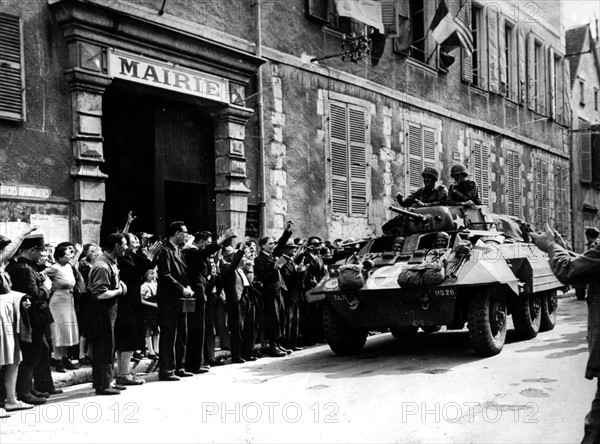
216	112
585	88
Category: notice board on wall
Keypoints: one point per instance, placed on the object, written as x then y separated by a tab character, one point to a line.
253	221
53	219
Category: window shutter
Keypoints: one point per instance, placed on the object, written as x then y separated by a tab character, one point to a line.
358	162
502	52
561	202
467	61
513	183
415	156
541	179
428	147
388	16
551	83
481	170
542	78
493	53
12	74
339	158
586	153
531	80
566	82
521	54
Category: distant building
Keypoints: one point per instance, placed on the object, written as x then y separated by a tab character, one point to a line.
583	56
216	112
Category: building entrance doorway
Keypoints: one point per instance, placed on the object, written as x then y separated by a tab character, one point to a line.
159	158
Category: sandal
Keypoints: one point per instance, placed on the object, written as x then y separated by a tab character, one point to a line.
17	405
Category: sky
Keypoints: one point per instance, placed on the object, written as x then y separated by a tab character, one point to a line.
579	12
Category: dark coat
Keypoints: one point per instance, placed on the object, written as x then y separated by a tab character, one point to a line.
172	274
199	268
233	285
26	279
463	191
583	269
292	277
264	267
437	195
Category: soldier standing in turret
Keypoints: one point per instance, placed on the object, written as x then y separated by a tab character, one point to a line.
427	196
463	191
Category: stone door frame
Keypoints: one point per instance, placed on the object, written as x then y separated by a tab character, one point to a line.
91	28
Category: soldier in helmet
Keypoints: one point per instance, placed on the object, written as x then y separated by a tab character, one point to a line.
441	240
427	196
463	191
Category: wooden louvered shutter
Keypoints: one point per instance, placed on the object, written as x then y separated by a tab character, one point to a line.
481	170
513	183
552	83
415	156
339	158
522	71
358	162
531	74
585	140
12	80
428	147
467	61
388	16
541	198
561	202
566	82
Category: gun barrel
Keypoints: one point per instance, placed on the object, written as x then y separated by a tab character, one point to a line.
412	216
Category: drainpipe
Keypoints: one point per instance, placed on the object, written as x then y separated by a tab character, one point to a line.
261	126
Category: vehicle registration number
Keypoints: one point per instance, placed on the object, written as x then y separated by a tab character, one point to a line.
442	292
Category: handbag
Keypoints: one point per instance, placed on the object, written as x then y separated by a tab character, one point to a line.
185	305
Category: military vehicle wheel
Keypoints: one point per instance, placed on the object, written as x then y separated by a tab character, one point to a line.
431	328
343	340
405	335
487	313
549	306
527	315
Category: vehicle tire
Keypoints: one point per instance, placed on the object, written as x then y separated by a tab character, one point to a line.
405	335
549	306
527	315
342	340
487	321
431	328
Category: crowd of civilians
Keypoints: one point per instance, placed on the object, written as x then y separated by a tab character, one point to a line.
169	299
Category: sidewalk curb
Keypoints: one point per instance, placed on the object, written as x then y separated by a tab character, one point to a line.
83	375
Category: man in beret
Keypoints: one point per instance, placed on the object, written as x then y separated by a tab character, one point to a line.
26	279
427	196
292	274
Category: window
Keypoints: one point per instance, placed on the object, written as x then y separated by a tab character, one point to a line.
318	9
421	153
478	58
541	193
418	30
513	183
510	52
585	148
561	205
348	129
480	155
556	86
12	80
581	91
595	99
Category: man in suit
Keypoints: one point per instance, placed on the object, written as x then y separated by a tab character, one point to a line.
172	284
291	272
266	269
199	269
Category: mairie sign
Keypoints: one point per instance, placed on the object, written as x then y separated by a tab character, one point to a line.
159	74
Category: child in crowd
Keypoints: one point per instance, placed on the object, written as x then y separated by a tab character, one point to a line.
148	294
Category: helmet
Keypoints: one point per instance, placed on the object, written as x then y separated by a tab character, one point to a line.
442	235
458	169
428	171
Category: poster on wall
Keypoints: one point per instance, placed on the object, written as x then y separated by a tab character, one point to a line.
54	227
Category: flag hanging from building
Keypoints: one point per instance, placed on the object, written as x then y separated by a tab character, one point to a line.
463	29
442	26
365	11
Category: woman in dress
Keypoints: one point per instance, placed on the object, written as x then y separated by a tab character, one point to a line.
65	330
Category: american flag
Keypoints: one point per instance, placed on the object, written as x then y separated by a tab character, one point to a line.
463	29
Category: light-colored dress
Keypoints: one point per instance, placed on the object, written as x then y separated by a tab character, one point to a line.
64	330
